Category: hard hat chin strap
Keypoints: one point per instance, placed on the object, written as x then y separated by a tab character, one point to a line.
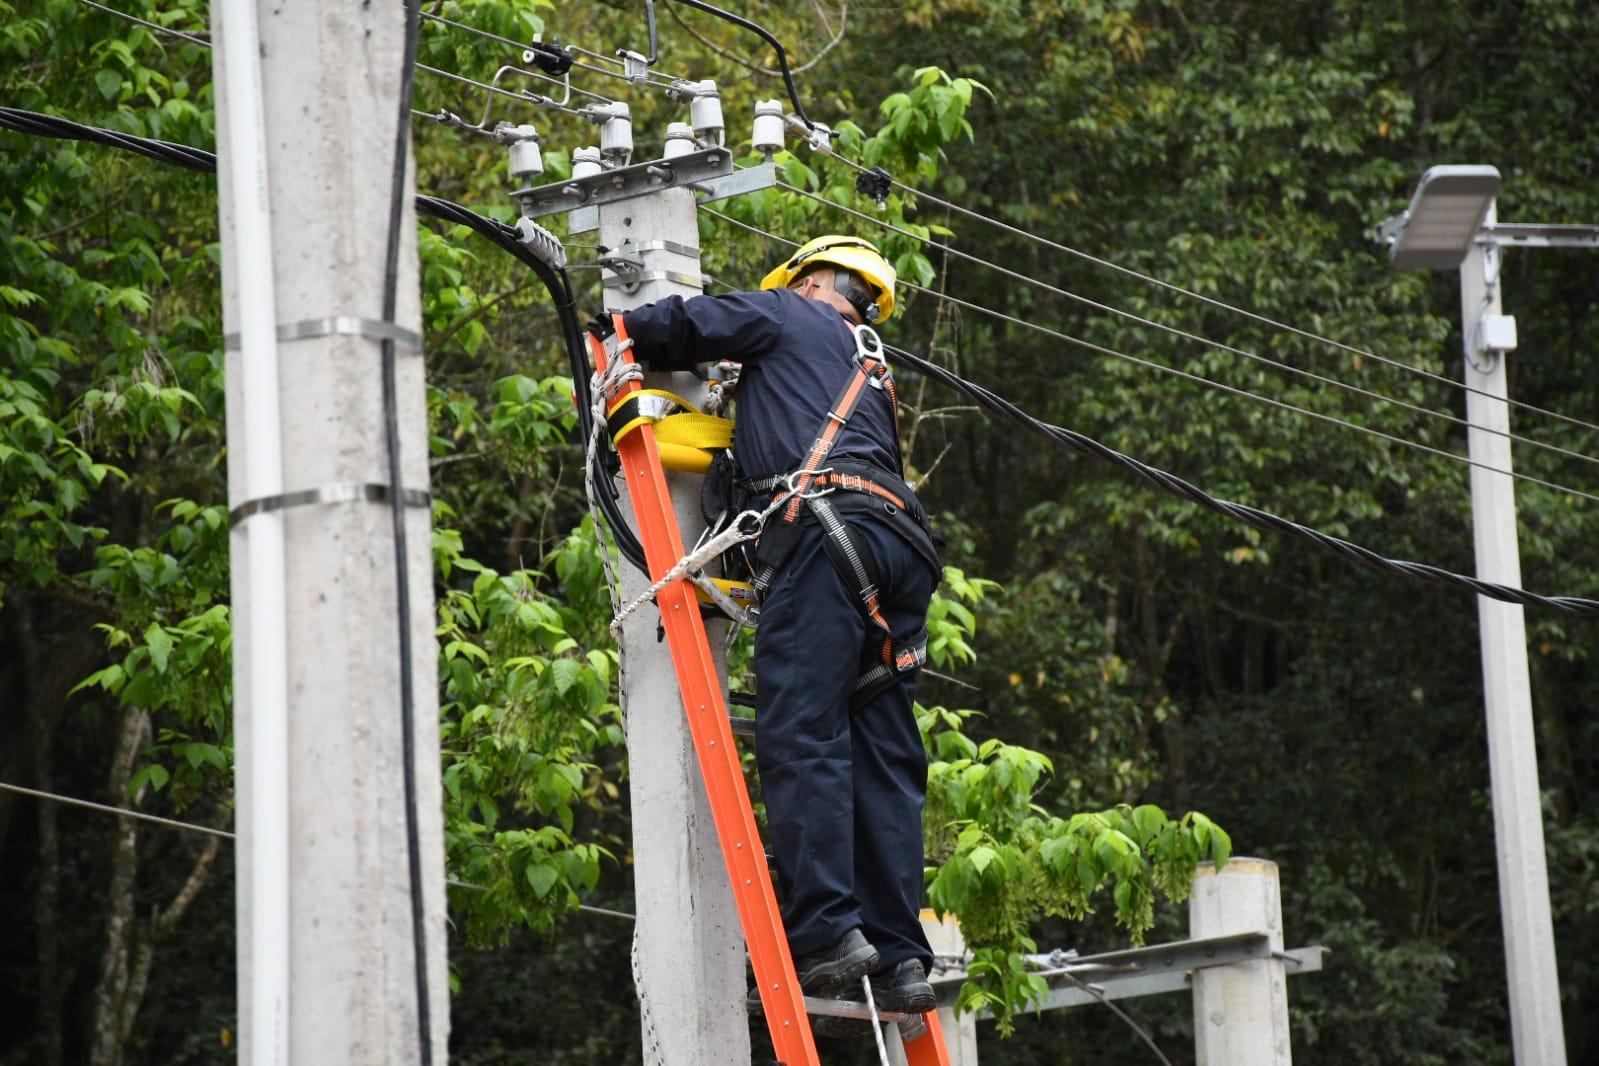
859	295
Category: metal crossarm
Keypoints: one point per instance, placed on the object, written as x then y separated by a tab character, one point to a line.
782	1001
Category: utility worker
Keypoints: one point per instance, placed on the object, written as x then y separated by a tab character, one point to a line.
846	569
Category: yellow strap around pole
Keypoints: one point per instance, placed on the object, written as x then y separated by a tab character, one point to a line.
686	439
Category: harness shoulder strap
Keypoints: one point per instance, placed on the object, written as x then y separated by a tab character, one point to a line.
778	539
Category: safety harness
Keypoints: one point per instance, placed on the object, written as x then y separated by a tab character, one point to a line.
864	488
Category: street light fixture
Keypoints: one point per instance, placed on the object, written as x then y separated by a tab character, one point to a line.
1443	219
1451	224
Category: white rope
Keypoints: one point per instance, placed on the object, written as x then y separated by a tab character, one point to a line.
877	1024
703	554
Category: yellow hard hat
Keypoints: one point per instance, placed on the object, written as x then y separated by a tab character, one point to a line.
850	253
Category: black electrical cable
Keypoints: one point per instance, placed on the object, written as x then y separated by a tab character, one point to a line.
559	284
402	571
43	125
1250	516
766	35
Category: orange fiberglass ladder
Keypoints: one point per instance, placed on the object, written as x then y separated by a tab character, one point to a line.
701	686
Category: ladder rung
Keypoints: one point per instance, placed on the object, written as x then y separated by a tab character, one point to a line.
744	727
845	1008
849	1008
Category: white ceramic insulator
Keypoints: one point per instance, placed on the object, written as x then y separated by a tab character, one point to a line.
527	161
679	140
768	126
616	135
585	162
705	113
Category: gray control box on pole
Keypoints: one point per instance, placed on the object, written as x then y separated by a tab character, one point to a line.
327	970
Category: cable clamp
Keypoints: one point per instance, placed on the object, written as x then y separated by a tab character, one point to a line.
630	281
345	492
339	326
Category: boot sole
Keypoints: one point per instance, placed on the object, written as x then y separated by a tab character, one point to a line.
915	1000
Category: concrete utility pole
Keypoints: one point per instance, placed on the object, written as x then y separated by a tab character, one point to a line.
1240	1009
1451	223
307	106
1534	986
690	945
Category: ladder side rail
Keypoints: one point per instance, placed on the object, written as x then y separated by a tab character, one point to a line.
699	681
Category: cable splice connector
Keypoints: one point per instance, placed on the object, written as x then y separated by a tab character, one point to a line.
542	243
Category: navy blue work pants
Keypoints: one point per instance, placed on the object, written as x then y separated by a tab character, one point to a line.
843	786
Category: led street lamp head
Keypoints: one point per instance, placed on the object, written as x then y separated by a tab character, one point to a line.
1437	229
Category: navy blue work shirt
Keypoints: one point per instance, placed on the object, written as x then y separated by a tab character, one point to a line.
797	353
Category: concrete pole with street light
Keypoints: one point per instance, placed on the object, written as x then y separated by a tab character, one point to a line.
1450	223
1534	986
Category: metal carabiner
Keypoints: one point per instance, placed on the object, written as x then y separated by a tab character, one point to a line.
810	494
868	345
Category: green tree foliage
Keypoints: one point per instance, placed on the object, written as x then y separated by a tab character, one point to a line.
1124	654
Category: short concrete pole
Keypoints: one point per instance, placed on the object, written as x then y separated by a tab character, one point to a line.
689	943
960	1034
1240	1010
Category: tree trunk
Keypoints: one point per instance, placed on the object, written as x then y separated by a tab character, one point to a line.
111	991
162	923
47	891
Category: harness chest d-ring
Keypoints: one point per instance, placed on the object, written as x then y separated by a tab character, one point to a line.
869	346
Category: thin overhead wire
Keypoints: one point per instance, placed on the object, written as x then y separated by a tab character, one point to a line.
1212	301
525	97
1183	333
169	31
665	79
657	78
1254	517
195	827
1099	994
120	812
1204	381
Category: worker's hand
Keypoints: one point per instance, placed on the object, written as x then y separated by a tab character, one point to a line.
601	325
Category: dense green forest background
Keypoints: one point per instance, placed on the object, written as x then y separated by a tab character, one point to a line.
1329	718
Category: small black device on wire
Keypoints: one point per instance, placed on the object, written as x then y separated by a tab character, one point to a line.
875	183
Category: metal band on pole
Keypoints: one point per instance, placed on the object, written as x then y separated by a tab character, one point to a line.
348	492
340	326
